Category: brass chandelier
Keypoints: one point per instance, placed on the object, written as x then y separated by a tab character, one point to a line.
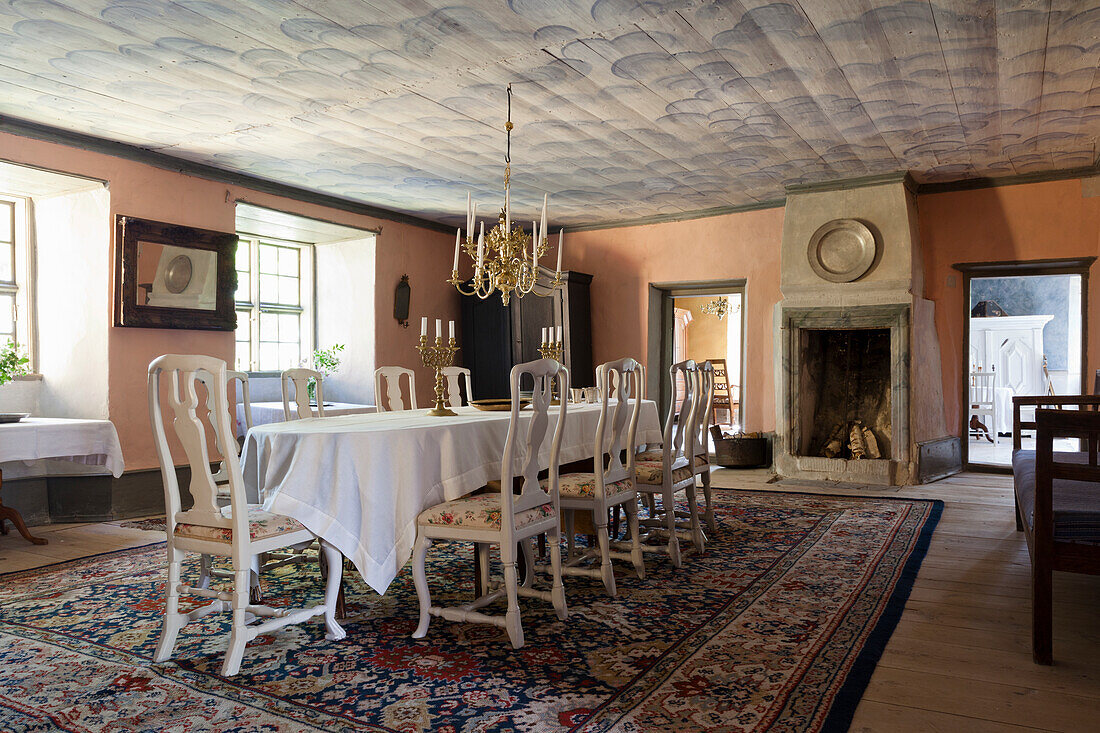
717	307
507	260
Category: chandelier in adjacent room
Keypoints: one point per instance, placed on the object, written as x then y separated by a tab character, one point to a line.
506	260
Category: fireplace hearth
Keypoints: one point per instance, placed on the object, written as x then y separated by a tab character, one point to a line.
845	389
859	393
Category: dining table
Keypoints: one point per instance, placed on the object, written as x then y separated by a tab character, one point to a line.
360	481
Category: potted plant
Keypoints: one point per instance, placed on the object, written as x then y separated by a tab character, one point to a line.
326	361
13	363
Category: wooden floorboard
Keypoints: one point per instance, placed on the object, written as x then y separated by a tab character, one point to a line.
960	658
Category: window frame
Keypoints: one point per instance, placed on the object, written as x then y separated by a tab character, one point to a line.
22	285
249	311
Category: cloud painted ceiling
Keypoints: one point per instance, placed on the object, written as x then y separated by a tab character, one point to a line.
622	109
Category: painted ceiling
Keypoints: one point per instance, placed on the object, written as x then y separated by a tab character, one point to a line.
622	109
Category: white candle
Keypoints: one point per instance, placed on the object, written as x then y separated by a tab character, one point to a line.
542	224
534	246
424	326
559	334
561	242
469	212
439	328
458	242
544	335
451	329
481	249
473	223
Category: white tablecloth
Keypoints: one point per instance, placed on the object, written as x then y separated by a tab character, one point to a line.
360	481
89	442
265	413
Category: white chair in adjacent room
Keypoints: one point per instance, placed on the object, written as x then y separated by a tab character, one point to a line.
983	403
673	472
505	519
299	378
238	531
454	376
387	388
611	484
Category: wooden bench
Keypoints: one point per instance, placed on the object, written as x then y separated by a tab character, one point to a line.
1057	500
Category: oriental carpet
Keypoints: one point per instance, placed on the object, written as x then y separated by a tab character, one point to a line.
777	627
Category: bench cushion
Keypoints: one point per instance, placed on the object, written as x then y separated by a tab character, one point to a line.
1076	504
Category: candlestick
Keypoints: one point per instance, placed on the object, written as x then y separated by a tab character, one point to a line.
437	356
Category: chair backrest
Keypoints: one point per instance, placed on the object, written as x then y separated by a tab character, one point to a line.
185	372
679	432
705	386
983	386
387	388
454	376
300	379
617	429
243	396
631	387
523	451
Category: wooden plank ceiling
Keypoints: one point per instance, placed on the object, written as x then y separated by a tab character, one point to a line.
623	108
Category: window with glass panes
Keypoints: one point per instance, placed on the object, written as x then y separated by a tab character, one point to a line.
8	286
274	293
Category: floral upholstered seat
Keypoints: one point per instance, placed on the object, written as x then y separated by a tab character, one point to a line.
583	485
261	524
479	512
658	455
651	472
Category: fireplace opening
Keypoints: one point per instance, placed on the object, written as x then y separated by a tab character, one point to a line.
845	380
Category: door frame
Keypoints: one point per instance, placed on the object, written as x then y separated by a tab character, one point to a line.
1014	268
659	341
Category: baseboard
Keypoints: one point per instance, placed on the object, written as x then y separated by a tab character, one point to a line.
92	498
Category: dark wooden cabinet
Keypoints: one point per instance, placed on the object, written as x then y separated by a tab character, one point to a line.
495	338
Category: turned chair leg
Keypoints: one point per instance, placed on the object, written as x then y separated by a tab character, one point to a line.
420	580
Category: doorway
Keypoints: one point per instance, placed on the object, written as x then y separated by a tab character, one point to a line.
703	322
1025	335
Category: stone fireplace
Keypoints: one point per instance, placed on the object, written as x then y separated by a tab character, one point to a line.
859	396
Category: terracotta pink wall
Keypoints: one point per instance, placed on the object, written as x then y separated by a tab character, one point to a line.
1025	222
625	261
152	193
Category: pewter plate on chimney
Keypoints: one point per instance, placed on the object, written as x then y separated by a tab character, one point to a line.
842	250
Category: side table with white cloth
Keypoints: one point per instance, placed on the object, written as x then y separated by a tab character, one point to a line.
360	481
265	413
87	442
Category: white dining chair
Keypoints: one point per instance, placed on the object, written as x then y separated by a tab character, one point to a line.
243	396
611	483
299	379
673	472
238	531
387	388
701	464
454	376
503	518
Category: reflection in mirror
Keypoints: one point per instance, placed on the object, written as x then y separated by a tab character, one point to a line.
176	277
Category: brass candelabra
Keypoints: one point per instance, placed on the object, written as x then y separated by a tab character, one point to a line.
436	356
552	350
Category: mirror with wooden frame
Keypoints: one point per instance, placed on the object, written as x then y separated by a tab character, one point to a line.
172	276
